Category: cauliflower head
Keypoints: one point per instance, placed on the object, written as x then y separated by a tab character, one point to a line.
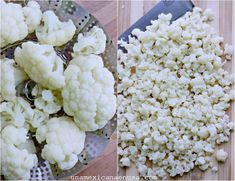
11	75
15	112
64	141
47	100
89	92
16	163
33	15
92	42
53	31
41	64
13	27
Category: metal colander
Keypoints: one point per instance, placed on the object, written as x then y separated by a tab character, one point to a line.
95	141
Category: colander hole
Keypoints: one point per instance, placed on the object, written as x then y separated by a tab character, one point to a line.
47	169
85	17
79	24
82	155
82	20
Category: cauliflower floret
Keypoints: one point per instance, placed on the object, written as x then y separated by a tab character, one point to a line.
61	134
13	135
33	15
39	118
89	92
15	112
47	100
221	155
41	64
16	163
92	42
13	26
53	31
11	75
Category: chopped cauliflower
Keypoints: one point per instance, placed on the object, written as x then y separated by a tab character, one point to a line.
221	155
41	64
92	42
15	112
47	100
61	134
54	32
16	163
11	75
33	15
173	94
89	92
13	26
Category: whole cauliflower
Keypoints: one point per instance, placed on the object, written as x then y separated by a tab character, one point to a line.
64	141
92	42
11	75
15	112
33	15
53	31
89	92
47	100
13	27
16	163
41	64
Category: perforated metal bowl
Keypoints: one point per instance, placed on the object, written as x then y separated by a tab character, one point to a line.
95	141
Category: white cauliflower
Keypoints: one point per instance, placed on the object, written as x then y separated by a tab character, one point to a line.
89	92
92	42
221	155
16	163
47	100
53	31
64	141
15	112
13	135
39	118
11	75
173	94
13	27
33	15
41	64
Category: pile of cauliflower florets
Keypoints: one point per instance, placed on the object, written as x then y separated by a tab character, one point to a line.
173	96
84	90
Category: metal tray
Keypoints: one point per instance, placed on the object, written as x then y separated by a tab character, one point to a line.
95	141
